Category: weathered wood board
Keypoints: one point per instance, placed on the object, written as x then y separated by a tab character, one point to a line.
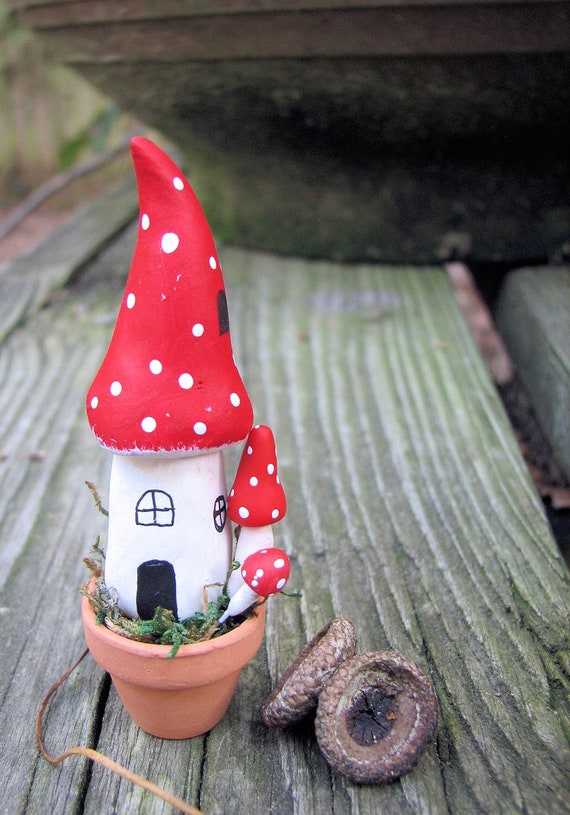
410	512
534	318
354	130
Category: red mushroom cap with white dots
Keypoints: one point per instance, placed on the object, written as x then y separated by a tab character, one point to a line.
267	571
169	384
257	497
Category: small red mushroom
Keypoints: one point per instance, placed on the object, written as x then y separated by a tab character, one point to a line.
264	573
257	498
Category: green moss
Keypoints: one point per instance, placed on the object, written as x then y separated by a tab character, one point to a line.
163	628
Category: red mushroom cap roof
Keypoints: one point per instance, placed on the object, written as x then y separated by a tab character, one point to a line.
169	384
257	497
267	571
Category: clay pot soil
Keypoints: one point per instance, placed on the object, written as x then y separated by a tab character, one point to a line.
183	696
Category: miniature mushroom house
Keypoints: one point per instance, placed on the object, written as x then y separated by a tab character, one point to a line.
166	401
257	498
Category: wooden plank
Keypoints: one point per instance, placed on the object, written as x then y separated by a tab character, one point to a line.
534	317
361	32
27	282
50	14
410	512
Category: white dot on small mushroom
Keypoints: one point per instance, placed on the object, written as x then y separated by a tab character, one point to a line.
200	428
213	263
234	399
145	221
197	329
116	388
148	424
280	583
270	469
94	402
254	583
243	512
254	481
131	300
169	242
155	366
279	563
275	513
185	381
178	183
259	572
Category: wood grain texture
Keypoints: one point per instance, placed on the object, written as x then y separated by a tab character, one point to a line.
409	512
534	317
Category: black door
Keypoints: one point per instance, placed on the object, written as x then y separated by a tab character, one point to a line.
156	586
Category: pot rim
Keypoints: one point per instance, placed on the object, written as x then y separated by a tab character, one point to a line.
157	650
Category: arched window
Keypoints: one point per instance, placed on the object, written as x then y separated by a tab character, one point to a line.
154	508
220	513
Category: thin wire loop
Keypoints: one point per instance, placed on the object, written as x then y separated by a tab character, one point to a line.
95	755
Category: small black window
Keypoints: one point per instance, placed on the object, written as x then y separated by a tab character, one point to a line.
154	508
220	513
223	316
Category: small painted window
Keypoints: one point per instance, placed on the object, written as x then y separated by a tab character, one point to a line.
154	508
223	316
220	513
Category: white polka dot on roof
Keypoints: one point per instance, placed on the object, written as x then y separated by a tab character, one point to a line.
235	400
213	263
178	183
270	469
200	428
148	424
155	366
197	329
116	388
249	450
131	300
186	381
145	221
95	402
243	512
275	513
169	242
254	481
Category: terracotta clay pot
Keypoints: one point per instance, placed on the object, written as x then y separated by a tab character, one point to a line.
181	697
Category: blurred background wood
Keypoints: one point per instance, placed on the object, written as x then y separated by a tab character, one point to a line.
376	130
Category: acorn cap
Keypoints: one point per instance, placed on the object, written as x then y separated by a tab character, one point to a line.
298	690
375	717
169	385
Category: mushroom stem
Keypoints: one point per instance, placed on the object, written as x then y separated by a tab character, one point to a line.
251	539
242	600
182	502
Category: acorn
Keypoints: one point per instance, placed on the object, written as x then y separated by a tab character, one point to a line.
375	717
297	692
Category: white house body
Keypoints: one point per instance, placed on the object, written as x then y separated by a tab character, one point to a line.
159	509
